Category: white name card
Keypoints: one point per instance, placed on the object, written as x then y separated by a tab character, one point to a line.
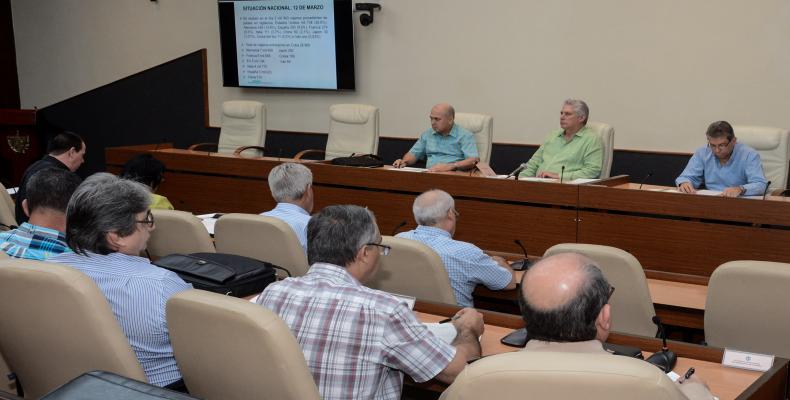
745	360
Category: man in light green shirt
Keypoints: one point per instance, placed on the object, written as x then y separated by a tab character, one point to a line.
575	147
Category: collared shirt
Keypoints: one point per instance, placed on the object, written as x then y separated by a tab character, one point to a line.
294	216
467	265
137	292
744	168
356	340
21	194
33	242
582	156
458	145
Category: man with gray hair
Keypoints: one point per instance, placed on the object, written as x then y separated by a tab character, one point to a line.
564	301
573	151
291	186
358	341
467	265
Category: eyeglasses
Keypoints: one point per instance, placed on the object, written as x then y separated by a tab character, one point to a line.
383	248
149	219
720	146
456	213
611	292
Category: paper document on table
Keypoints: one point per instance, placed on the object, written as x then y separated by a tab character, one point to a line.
445	331
497	176
409	169
706	192
536	179
581	181
12	191
208	220
672	375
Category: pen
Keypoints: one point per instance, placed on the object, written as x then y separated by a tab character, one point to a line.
688	374
444	321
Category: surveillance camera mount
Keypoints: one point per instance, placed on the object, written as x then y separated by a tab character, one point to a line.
367	19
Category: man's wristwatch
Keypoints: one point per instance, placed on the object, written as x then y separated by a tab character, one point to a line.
743	190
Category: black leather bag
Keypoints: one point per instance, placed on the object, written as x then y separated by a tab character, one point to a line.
100	385
364	160
228	274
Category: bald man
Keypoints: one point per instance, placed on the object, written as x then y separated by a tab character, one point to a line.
564	300
447	146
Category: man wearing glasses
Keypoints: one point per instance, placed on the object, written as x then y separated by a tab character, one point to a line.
466	265
724	165
358	341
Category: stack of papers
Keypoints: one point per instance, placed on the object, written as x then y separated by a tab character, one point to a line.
446	332
209	220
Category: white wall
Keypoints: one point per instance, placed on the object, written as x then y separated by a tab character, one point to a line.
658	71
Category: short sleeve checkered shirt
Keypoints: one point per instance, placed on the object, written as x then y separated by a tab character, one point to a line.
357	341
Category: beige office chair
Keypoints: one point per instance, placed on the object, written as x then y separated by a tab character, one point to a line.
3	255
245	352
606	133
561	376
243	130
773	144
178	232
353	129
746	307
482	127
7	209
56	325
5	383
264	238
632	307
412	269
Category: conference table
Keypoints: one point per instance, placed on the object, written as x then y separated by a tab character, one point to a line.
724	382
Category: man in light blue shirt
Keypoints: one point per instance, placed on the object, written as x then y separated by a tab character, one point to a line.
291	186
724	165
447	146
467	265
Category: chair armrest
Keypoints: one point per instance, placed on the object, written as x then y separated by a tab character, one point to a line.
241	149
199	145
302	153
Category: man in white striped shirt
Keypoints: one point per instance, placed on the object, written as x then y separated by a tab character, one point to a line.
291	186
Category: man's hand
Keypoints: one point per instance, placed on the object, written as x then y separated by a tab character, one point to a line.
546	174
399	163
442	167
732	191
686	187
469	320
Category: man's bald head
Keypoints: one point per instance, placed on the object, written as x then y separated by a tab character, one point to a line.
442	118
561	298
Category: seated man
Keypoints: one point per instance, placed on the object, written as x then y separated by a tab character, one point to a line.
291	186
466	264
564	301
358	341
574	146
724	165
65	151
43	236
108	224
447	146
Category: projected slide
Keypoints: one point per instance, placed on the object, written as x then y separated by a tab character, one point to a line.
282	43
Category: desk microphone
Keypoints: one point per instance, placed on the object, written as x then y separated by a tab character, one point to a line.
765	192
523	264
400	225
664	359
517	171
562	172
649	174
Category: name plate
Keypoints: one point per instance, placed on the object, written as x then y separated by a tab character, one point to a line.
745	360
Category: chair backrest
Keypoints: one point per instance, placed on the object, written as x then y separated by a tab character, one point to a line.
353	128
773	144
632	307
606	133
245	352
561	376
3	255
243	124
7	207
482	126
178	232
264	238
746	307
413	269
56	325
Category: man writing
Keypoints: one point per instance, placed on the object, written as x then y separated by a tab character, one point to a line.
447	145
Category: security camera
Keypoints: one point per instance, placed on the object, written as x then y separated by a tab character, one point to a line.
367	19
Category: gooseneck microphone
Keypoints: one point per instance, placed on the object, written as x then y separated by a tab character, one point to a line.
664	359
765	192
517	171
400	225
523	264
649	174
562	172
